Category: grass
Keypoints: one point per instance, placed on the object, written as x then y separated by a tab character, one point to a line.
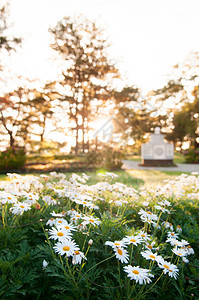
153	178
134	178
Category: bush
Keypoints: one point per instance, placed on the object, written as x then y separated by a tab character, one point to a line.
107	158
192	156
12	159
112	158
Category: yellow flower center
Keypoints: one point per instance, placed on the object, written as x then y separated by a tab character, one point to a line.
119	251
172	233
51	219
91	220
67	227
84	202
149	246
117	244
166	267
22	206
143	235
170	270
152	256
148	212
77	252
178	226
179	254
59	221
136	272
78	216
133	240
9	198
66	248
60	233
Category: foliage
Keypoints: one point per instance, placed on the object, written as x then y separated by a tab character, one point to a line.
107	158
26	241
192	155
12	159
85	81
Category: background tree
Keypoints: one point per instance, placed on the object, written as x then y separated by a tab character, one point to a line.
135	115
7	41
13	110
87	72
179	99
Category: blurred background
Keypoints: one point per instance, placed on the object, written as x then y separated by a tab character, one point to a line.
86	82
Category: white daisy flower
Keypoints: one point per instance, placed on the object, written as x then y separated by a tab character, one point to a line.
152	256
66	247
178	228
51	222
167	225
59	233
59	215
189	250
138	274
172	234
85	176
91	220
185	260
116	244
174	242
112	175
179	252
19	208
60	221
75	217
167	203
122	255
77	257
68	226
144	236
169	268
7	197
184	243
147	215
49	200
133	239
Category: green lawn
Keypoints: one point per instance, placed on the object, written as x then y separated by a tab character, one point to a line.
134	178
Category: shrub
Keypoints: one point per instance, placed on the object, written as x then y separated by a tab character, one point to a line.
12	159
112	158
106	157
192	156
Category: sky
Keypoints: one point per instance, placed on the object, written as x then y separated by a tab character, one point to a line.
148	37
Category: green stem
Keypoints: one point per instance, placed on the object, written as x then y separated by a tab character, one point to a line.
71	272
153	284
99	264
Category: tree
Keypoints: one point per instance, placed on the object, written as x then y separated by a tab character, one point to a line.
135	115
42	109
7	41
179	98
87	74
12	112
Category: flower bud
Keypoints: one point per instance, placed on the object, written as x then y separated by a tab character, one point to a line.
90	242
